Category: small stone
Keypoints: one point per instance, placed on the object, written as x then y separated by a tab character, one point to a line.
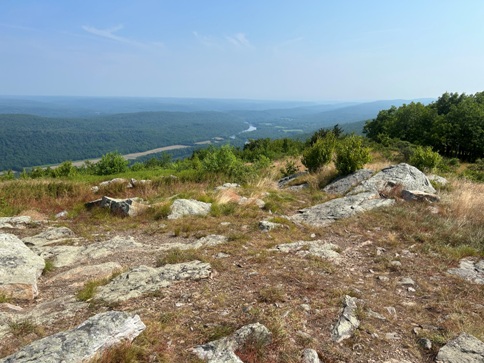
411	289
425	343
396	263
406	281
305	307
383	278
310	356
391	310
392	336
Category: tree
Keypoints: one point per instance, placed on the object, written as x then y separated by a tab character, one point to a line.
111	163
320	153
351	155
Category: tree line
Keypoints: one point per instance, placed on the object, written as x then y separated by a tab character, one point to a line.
453	125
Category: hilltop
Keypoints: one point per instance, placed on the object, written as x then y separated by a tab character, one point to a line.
258	262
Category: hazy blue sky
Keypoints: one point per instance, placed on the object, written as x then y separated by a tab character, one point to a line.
266	49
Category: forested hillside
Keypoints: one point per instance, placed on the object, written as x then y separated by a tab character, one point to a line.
453	125
27	140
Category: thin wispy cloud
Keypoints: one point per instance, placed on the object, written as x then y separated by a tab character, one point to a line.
110	33
239	40
205	40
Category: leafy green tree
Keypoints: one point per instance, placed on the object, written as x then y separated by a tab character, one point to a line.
424	158
111	163
64	170
351	155
320	153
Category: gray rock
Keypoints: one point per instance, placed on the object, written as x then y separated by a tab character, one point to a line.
324	214
288	179
425	343
107	183
470	270
266	226
318	248
310	356
129	207
61	215
347	322
133	183
82	343
406	281
143	279
184	207
20	222
438	179
417	196
207	241
227	186
222	350
19	268
50	236
68	255
299	187
463	349
345	184
404	175
79	275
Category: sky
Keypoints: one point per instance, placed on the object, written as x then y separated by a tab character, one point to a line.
305	50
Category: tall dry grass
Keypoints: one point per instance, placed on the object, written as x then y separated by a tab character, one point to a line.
466	203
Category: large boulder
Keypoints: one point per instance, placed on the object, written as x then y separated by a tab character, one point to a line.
188	207
345	184
324	214
19	268
406	176
223	350
463	349
143	279
82	343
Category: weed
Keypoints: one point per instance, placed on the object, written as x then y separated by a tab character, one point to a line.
177	255
24	327
227	209
4	298
121	353
89	289
161	211
272	295
49	267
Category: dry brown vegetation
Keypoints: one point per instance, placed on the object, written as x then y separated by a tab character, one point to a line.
297	298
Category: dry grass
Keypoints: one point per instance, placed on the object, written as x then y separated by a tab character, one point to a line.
466	202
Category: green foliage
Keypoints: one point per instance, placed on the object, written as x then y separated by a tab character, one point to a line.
476	171
320	153
8	175
111	163
351	155
453	125
225	209
424	158
289	168
65	169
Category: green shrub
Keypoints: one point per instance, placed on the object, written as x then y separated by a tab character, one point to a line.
111	163
424	158
351	155
320	153
289	168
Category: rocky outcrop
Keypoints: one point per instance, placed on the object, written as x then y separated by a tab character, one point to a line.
324	214
19	222
19	268
470	270
129	207
463	349
345	184
143	279
207	241
83	342
317	248
347	322
417	196
188	207
77	276
367	195
223	350
266	226
50	236
68	255
406	176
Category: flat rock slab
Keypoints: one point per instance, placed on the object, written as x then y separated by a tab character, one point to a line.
347	322
79	275
470	270
404	175
68	255
45	313
345	184
143	279
282	183
318	248
50	236
83	342
207	241
20	222
223	350
417	196
463	349
188	207
324	214
19	268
